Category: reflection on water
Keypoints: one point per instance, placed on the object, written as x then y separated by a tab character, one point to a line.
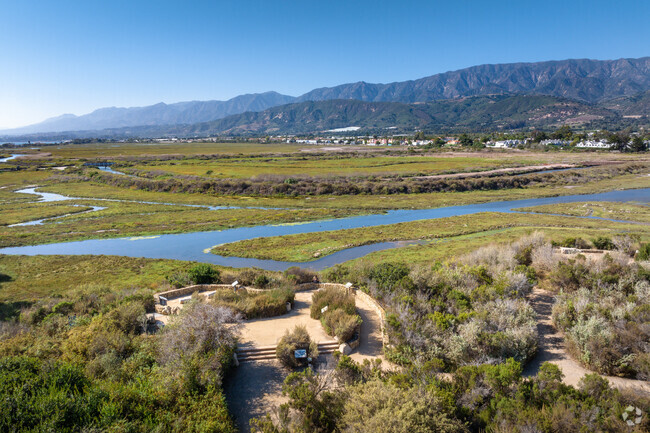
192	246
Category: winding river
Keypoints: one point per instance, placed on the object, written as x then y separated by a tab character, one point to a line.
195	246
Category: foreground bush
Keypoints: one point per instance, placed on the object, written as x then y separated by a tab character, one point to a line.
298	338
340	320
377	406
334	299
252	305
604	312
89	362
40	396
198	344
340	324
477	398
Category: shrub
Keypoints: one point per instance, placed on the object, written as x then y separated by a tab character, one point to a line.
298	338
340	324
203	273
252	305
333	298
248	276
606	320
574	243
624	244
179	279
644	252
198	344
377	406
299	275
603	243
338	274
388	275
261	281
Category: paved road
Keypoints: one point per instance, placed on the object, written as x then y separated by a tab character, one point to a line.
552	349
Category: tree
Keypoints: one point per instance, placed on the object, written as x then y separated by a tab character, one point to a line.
619	141
563	133
465	140
638	145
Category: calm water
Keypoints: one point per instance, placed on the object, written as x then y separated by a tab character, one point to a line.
194	246
9	158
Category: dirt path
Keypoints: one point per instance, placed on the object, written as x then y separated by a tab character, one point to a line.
371	339
266	332
255	388
552	349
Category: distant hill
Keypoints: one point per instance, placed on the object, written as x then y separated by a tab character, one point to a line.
635	105
583	80
590	90
158	114
473	114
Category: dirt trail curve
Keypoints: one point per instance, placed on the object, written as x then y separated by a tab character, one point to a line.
552	349
255	388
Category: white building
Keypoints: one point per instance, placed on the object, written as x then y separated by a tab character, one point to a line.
593	144
555	142
504	144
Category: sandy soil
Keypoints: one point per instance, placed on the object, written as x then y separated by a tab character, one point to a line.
254	388
266	332
371	342
552	349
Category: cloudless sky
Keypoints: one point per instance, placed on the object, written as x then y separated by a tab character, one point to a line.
74	56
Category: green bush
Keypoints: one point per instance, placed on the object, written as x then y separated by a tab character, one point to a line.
603	243
299	275
203	273
338	274
261	281
252	305
340	324
179	279
388	275
298	338
573	243
333	298
644	253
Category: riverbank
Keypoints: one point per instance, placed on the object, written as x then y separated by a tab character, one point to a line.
194	246
305	247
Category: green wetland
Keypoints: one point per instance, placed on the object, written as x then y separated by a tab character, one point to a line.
459	264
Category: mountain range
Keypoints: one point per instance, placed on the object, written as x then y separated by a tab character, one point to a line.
595	90
158	114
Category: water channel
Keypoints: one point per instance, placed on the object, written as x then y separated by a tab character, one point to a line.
195	246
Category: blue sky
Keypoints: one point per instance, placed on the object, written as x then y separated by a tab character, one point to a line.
70	56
